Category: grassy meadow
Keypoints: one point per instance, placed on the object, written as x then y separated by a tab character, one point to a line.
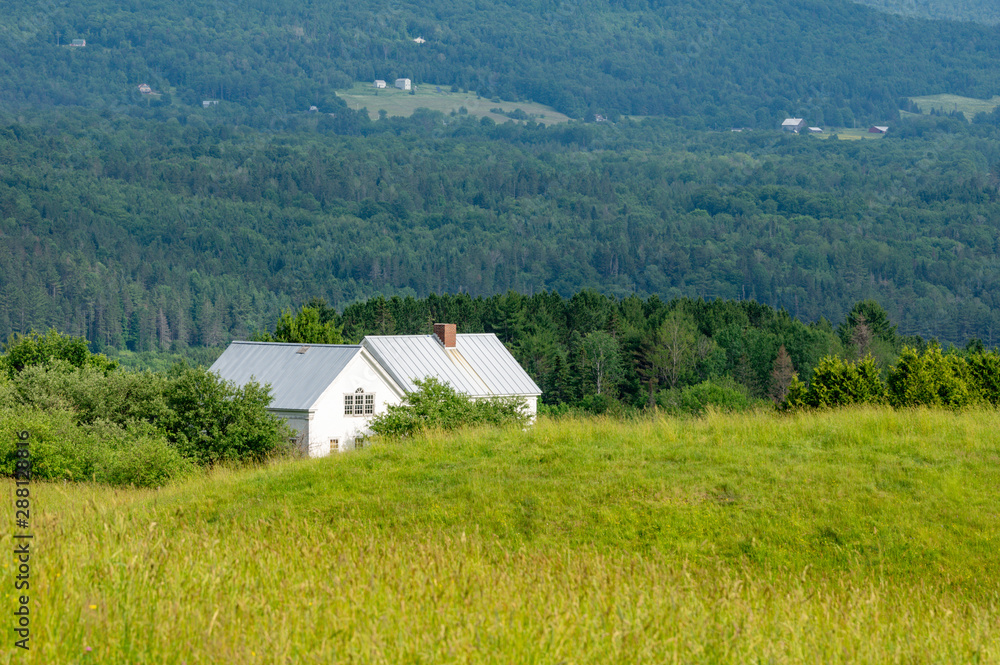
968	106
402	103
847	536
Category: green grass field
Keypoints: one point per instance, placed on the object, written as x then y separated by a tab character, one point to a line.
848	134
864	536
950	103
400	103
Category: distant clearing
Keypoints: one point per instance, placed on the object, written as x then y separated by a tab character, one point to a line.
401	103
848	133
951	103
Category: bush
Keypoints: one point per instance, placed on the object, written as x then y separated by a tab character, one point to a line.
120	397
984	376
211	420
436	405
723	394
933	379
138	455
61	449
836	382
23	351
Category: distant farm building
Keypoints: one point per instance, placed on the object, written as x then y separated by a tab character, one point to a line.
79	42
379	83
816	130
420	40
878	129
209	102
145	89
793	125
404	84
314	109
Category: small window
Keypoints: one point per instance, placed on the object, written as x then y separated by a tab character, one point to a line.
359	404
334	445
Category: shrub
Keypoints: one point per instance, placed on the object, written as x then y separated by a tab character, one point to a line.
437	405
836	382
932	379
23	351
120	397
723	394
984	376
211	420
138	455
62	449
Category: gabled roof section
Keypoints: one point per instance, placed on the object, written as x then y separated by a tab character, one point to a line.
298	373
479	365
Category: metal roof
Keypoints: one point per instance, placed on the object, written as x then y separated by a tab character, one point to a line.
792	121
479	365
298	373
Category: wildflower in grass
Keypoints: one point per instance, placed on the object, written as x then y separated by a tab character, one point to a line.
93	607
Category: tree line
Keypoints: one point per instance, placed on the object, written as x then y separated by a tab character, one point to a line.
597	352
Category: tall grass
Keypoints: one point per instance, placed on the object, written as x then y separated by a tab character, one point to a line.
851	536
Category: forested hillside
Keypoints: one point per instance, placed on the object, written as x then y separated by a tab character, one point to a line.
152	234
719	63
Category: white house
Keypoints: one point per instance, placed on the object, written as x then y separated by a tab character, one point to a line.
404	84
379	83
79	43
420	40
205	103
329	393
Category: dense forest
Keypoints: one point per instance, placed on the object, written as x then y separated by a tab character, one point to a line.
153	234
717	63
144	222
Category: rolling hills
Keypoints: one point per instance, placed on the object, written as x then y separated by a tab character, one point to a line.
721	63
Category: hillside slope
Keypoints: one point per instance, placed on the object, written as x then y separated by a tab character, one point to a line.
723	61
842	537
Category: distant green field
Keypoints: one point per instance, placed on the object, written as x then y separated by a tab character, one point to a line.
848	133
402	103
950	103
855	536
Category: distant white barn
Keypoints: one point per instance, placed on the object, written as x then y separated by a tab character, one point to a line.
329	393
420	40
404	84
379	83
793	124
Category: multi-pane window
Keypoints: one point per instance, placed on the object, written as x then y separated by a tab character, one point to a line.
359	404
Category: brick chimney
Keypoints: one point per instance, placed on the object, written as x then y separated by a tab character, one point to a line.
446	334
